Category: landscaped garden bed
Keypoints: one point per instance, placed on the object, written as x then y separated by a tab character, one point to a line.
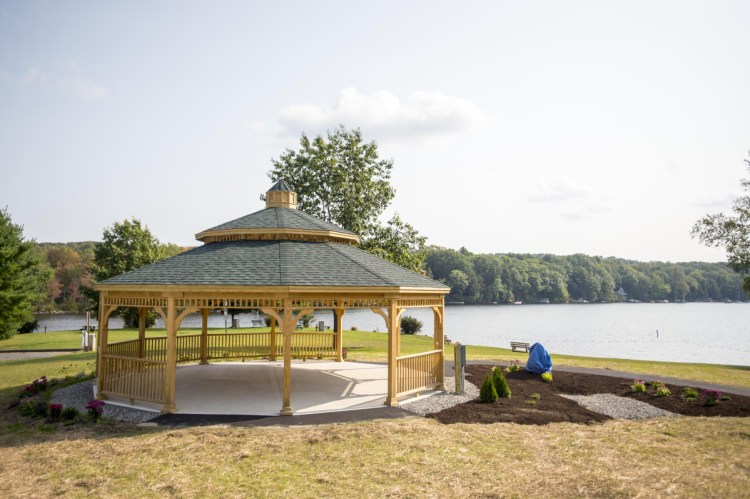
534	401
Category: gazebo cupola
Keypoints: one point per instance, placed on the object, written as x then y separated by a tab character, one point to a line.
280	221
281	196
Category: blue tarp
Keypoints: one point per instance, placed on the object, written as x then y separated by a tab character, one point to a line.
539	359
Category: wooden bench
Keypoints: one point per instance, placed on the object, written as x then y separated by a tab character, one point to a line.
520	345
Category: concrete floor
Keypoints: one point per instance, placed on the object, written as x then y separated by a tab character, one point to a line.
255	388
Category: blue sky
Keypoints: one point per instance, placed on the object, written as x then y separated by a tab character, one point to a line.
557	127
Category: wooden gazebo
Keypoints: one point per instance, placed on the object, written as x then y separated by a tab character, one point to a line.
284	263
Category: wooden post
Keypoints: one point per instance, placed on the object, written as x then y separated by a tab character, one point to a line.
394	339
287	328
339	327
204	335
170	378
439	338
142	332
273	339
101	348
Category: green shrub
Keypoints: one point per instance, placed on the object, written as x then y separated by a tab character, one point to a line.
28	409
547	377
536	396
689	393
69	414
410	325
500	383
663	391
514	366
487	392
638	386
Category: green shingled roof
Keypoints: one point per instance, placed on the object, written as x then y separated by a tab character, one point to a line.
279	218
276	263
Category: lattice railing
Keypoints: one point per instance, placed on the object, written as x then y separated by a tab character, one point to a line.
419	371
141	379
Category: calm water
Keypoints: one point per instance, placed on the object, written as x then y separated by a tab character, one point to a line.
714	333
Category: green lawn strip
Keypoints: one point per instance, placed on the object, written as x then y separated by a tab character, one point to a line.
15	373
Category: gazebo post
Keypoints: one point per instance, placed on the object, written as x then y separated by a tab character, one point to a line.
170	378
287	328
142	332
339	315
102	340
439	339
273	339
394	341
204	335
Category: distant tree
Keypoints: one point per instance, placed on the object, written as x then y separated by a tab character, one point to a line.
732	232
340	179
126	246
398	242
22	279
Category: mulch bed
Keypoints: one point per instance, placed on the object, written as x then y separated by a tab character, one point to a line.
551	408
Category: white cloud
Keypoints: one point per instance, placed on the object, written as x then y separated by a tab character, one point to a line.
33	76
383	113
85	89
558	191
715	201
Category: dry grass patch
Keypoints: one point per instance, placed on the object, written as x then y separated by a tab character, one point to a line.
417	457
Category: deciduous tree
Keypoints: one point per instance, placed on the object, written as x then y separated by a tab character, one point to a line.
341	179
732	232
126	246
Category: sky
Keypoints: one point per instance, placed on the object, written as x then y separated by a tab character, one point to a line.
604	128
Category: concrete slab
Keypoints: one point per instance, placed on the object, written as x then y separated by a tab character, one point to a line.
255	388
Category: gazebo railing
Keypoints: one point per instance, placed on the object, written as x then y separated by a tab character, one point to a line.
141	379
229	346
418	371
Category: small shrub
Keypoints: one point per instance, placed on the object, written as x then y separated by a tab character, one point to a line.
95	409
536	396
55	411
638	386
354	328
41	409
711	397
487	392
663	391
655	384
38	385
547	377
531	401
69	414
689	393
28	409
500	383
515	365
410	325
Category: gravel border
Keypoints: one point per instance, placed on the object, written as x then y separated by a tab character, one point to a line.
620	407
442	400
80	394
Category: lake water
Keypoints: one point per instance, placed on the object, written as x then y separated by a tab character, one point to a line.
713	333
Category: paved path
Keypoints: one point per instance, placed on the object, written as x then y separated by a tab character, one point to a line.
33	354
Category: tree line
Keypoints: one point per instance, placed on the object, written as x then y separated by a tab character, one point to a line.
508	278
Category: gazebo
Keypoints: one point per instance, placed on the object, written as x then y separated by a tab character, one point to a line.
284	263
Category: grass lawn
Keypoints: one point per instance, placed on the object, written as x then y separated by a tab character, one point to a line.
366	346
693	457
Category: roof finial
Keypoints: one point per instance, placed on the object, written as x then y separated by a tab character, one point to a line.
281	196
